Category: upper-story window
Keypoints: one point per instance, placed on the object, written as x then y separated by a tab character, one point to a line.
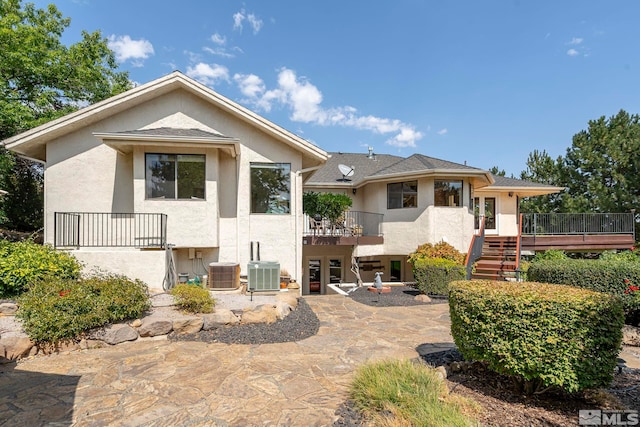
271	188
448	193
175	176
402	195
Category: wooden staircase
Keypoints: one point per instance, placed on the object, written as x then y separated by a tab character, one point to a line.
499	259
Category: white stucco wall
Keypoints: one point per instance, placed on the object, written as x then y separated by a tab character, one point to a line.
83	175
407	228
145	265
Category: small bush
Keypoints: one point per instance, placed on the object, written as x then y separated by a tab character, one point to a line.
550	255
53	311
544	335
24	263
413	394
433	275
439	250
193	299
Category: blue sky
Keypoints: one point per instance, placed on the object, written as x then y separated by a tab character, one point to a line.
486	82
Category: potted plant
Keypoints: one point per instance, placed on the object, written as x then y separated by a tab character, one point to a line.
285	278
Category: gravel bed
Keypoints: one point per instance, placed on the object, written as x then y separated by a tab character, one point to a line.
299	324
399	296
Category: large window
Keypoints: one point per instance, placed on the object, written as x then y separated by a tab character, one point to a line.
175	176
402	195
448	193
270	188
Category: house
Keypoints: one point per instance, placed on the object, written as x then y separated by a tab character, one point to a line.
400	203
172	163
171	172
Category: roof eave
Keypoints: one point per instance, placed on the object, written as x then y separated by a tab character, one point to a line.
28	142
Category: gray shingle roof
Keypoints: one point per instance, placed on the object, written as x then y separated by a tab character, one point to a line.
380	166
503	181
421	163
165	131
363	167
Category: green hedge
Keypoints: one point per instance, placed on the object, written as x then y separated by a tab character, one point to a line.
542	334
54	311
609	275
433	275
24	263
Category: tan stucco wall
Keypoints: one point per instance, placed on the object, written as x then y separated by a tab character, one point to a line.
83	175
405	229
147	266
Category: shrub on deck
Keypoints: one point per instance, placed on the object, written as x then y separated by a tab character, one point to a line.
54	311
542	334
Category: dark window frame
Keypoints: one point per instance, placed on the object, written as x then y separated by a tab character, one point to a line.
271	206
403	197
458	201
176	177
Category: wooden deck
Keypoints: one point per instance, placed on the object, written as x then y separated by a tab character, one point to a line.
578	242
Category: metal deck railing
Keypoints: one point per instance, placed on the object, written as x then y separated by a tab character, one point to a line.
105	229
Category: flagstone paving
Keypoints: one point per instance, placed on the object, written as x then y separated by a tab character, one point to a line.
164	383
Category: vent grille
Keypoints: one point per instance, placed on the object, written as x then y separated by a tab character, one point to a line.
264	276
223	275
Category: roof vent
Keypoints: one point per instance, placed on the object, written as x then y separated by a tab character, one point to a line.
371	154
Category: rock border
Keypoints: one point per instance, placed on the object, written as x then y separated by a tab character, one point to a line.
157	325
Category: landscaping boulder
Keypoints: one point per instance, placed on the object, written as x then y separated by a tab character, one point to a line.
115	334
289	298
13	348
631	335
8	308
188	325
154	326
220	317
283	309
422	298
265	313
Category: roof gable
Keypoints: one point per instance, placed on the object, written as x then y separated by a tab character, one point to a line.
31	143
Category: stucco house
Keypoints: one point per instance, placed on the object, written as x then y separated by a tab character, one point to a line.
171	162
400	203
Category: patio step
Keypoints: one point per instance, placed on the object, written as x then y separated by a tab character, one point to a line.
498	259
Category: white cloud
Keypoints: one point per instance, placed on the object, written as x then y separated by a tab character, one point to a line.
575	41
218	39
573	52
127	49
256	23
240	16
208	74
305	102
443	131
218	51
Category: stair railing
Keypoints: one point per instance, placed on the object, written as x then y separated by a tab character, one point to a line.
518	248
475	248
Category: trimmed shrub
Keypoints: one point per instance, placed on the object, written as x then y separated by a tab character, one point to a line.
54	311
542	334
192	298
24	263
433	275
439	250
609	275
